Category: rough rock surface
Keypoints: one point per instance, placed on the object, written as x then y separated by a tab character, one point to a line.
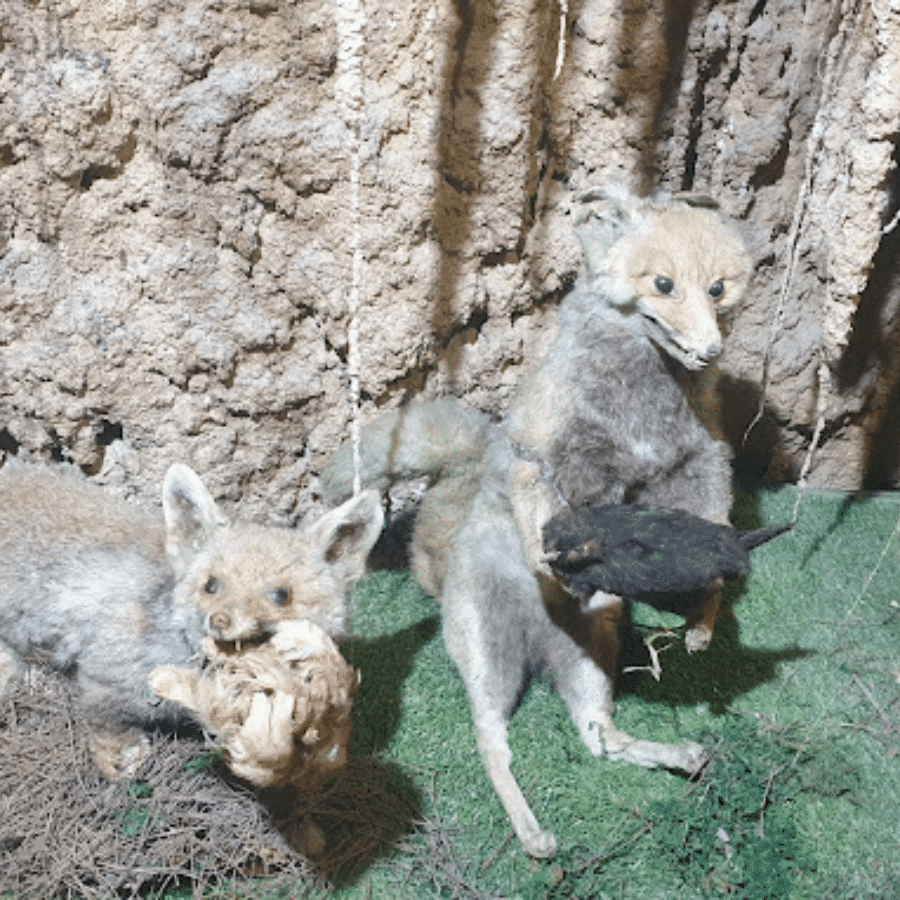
194	194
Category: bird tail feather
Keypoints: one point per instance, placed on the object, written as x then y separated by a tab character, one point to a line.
750	539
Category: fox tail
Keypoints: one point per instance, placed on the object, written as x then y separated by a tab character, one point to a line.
421	438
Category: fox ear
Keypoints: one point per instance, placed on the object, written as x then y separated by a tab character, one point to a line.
190	513
603	215
345	535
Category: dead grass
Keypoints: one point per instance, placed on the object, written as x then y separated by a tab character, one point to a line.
183	825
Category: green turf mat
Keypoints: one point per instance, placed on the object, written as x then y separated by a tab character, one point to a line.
797	695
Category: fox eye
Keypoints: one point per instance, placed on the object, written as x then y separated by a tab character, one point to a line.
212	586
716	289
279	596
664	284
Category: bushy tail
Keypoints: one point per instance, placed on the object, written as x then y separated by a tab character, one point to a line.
421	438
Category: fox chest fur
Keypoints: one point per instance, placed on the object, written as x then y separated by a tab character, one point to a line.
610	421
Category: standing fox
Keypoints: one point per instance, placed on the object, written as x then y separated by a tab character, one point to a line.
601	419
106	591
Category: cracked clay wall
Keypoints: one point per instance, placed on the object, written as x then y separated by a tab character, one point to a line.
184	186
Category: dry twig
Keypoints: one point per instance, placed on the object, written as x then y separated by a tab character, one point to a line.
655	668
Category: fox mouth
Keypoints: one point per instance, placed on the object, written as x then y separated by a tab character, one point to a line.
689	358
673	344
234	640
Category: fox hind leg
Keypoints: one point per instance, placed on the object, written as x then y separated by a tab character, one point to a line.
118	752
491	737
587	691
10	667
117	743
485	621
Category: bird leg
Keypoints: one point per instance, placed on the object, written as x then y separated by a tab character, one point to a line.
702	619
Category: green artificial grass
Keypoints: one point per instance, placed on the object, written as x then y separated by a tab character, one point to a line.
797	697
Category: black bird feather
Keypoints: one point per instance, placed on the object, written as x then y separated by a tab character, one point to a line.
646	554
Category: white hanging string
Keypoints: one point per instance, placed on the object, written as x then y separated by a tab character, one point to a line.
824	383
839	47
350	21
561	45
836	58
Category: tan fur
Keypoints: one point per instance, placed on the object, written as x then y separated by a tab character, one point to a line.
696	249
280	710
107	591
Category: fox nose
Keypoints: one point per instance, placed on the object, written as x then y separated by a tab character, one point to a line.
219	621
713	349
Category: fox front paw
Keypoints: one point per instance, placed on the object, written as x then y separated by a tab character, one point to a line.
119	753
693	758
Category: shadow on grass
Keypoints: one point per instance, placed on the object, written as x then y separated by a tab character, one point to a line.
362	811
370	803
385	663
850	501
717	676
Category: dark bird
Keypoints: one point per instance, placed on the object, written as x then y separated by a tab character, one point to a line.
646	554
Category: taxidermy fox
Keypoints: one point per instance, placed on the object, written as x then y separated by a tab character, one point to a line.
601	419
106	591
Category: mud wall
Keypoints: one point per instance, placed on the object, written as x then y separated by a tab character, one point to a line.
195	195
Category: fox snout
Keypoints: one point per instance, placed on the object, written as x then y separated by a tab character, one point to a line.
219	621
712	350
230	624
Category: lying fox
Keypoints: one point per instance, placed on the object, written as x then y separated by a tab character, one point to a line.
106	591
600	420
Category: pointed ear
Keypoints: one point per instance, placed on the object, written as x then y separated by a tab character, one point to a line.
190	513
602	216
347	534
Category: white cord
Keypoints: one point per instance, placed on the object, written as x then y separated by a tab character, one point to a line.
351	20
561	45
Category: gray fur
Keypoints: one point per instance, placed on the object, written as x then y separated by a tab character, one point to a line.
601	418
421	439
91	592
628	431
106	591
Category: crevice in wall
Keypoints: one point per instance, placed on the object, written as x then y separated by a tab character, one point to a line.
8	443
772	171
107	432
695	130
95	173
757	11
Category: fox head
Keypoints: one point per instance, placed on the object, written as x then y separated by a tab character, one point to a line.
673	263
246	577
